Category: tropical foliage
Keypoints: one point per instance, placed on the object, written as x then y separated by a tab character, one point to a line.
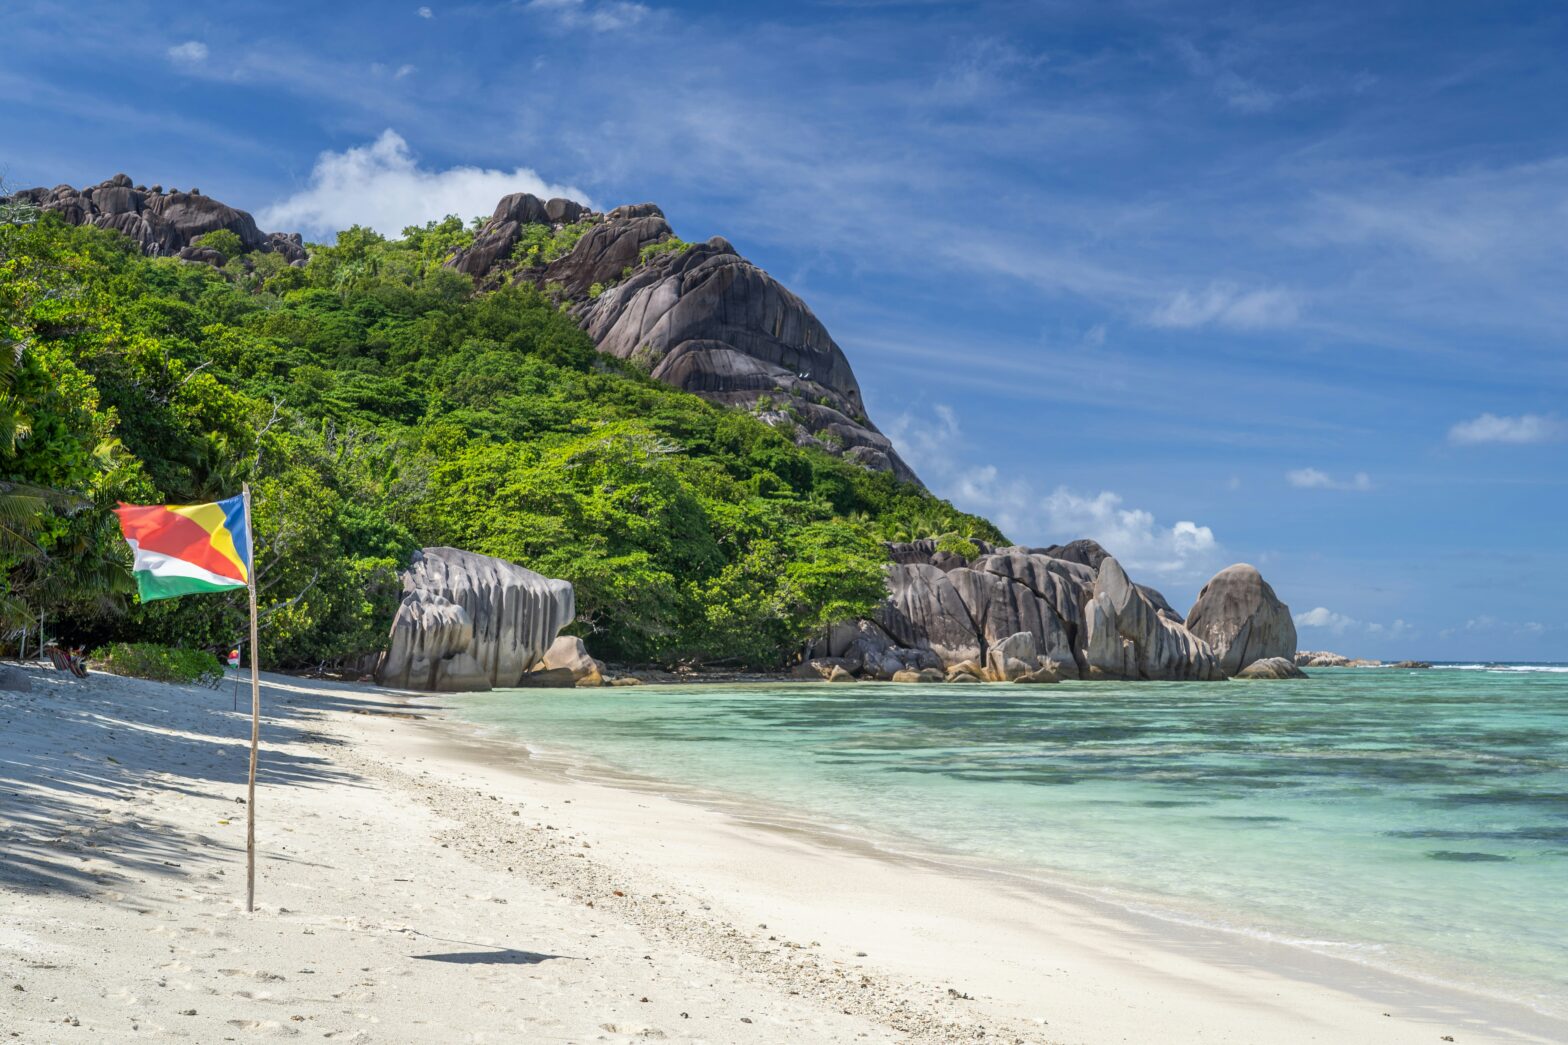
146	660
377	403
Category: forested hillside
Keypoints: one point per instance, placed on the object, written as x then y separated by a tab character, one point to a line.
377	403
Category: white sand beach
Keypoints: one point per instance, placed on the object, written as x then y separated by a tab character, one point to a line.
420	884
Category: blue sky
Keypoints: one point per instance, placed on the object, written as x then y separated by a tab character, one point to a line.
1208	283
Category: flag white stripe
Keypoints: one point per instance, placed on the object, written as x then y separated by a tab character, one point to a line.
160	565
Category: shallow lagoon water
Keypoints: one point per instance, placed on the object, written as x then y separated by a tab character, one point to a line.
1416	820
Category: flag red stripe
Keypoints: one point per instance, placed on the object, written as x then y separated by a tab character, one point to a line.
157	529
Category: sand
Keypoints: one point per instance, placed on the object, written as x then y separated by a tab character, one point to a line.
418	883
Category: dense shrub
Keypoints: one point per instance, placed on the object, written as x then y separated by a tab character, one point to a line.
146	660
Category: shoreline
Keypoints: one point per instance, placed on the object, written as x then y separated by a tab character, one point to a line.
1326	962
584	909
1192	929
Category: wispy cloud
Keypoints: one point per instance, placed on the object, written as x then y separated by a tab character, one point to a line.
425	12
382	185
1517	430
932	442
1236	91
602	16
191	52
1227	305
1316	479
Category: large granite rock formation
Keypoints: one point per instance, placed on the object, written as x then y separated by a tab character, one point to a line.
1071	609
161	223
1129	638
700	317
471	622
1242	620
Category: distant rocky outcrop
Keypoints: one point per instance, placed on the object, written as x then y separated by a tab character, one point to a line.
1271	668
1241	619
1325	659
698	316
162	224
1067	611
472	622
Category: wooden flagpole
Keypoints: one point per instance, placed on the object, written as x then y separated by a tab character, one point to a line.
255	707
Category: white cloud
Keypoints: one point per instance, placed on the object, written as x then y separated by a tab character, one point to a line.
932	444
1521	430
191	52
402	71
605	16
1323	617
1227	305
1315	479
381	185
425	12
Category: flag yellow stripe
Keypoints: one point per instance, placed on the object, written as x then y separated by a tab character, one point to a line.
210	517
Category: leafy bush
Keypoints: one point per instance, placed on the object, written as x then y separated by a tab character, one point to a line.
223	241
540	244
669	245
958	545
146	660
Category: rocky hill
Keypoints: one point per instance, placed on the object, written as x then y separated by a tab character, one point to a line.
163	224
697	316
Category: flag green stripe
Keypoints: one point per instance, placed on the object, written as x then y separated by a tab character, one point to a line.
167	587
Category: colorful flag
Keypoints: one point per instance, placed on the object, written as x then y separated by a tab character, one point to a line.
183	549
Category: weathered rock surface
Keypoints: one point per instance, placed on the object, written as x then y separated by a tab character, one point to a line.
472	622
1241	619
567	653
1128	638
924	611
164	224
1271	668
1012	612
819	668
701	318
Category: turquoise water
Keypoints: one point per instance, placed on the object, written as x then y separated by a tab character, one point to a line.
1416	820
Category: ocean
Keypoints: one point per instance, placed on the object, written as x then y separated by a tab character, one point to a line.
1411	820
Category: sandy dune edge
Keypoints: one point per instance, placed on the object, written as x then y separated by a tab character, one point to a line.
420	885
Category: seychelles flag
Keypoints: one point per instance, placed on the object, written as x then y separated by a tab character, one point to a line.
184	549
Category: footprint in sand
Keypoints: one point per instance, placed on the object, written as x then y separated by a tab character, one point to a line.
265	1027
258	974
633	1031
